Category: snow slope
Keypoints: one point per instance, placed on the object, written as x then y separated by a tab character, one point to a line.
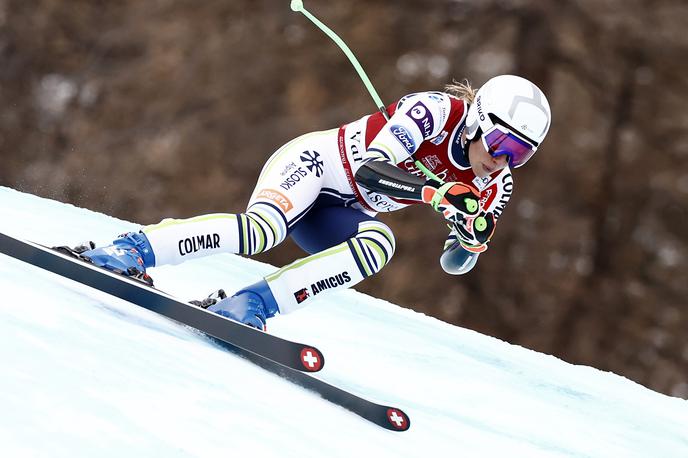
84	374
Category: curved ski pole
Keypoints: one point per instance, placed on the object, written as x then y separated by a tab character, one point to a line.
297	6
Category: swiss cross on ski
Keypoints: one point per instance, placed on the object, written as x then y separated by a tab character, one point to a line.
398	419
312	359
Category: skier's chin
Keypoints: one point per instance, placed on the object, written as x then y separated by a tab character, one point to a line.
481	170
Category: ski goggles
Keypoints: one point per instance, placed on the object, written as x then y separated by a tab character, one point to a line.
500	141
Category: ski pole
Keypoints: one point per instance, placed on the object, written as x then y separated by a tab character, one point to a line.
297	6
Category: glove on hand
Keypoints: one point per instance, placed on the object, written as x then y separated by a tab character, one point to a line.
475	232
456	201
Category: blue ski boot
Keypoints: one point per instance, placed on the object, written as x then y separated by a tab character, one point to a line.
252	305
129	255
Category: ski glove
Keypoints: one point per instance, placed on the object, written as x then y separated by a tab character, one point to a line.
456	201
460	205
475	232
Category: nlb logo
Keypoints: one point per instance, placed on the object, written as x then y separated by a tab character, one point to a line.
418	111
421	116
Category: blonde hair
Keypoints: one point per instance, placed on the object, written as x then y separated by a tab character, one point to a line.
462	90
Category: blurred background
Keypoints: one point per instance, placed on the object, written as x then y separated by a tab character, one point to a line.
168	108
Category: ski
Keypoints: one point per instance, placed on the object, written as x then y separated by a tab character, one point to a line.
291	354
290	360
385	416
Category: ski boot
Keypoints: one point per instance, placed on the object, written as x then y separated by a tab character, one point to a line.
252	305
128	255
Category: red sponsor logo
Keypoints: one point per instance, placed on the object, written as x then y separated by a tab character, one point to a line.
301	295
487	196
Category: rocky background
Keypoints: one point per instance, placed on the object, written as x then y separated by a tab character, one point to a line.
145	109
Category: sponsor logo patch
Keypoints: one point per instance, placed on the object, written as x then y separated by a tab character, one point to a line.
479	105
432	161
395	185
381	202
313	162
410	167
354	146
301	295
294	178
480	183
198	242
440	138
422	117
277	197
404	137
487	196
506	190
330	282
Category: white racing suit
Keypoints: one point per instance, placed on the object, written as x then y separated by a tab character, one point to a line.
307	190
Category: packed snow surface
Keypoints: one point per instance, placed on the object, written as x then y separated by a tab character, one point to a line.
88	375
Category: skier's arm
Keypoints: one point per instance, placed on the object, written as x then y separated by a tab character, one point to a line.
470	236
455	259
417	118
454	200
388	179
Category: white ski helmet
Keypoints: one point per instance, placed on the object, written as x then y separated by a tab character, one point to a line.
512	116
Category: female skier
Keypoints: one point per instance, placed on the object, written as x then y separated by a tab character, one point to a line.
453	150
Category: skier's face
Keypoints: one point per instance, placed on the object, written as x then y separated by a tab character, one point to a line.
482	162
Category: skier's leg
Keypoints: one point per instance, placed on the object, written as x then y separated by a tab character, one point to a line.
354	246
369	248
288	186
173	241
177	240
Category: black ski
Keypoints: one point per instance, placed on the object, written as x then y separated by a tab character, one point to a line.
292	354
388	417
289	360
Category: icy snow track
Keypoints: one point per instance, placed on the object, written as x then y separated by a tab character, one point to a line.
85	374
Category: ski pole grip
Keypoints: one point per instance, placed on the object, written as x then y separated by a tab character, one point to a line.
296	5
